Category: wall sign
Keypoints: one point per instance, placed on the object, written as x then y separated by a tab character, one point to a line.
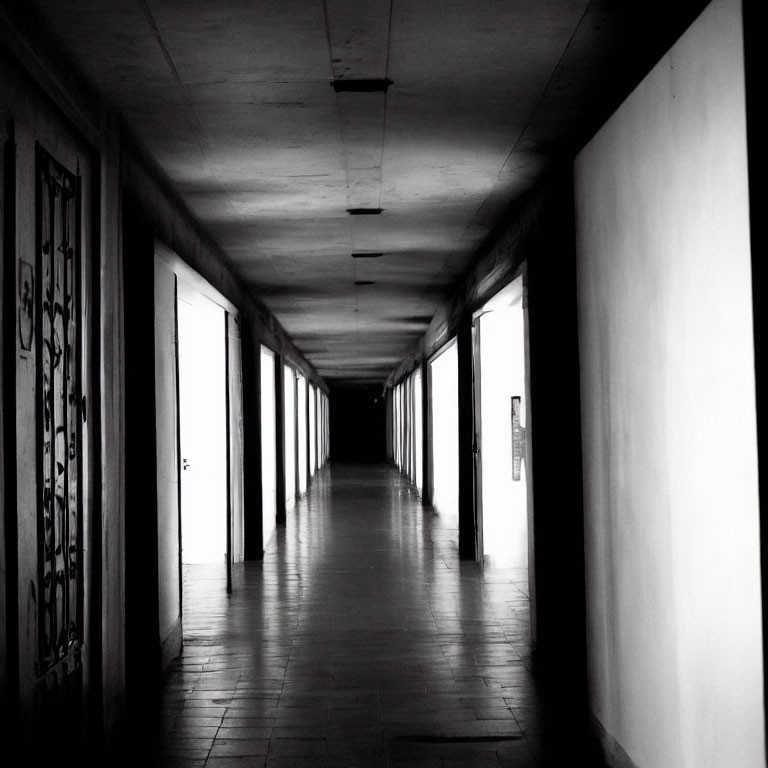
26	305
518	439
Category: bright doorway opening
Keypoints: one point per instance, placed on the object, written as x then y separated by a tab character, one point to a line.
268	446
301	415
202	427
444	425
312	431
418	432
289	426
501	407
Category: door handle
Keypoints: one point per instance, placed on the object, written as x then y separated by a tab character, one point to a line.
185	464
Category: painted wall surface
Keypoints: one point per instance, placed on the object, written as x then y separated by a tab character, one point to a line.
169	588
236	432
3	564
111	375
668	404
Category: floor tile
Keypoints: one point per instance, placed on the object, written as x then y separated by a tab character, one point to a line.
360	641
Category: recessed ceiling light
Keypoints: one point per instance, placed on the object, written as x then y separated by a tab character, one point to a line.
366	85
364	211
366	255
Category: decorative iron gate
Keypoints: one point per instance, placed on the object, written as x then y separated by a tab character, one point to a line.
59	391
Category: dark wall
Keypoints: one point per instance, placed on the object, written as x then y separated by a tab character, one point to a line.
540	243
142	646
755	56
358	424
556	445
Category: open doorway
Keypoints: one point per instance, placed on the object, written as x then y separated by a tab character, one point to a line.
501	415
312	430
289	429
302	448
268	446
202	427
418	432
444	439
196	446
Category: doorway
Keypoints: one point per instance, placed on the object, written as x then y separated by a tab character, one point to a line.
289	429
312	430
202	427
444	435
301	448
268	446
502	463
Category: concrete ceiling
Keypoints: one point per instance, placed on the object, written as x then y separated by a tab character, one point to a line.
234	100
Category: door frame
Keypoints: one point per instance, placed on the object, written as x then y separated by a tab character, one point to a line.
233	399
477	451
477	434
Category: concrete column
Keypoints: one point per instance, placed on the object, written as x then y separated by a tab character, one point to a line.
142	632
426	421
253	538
555	439
467	535
389	400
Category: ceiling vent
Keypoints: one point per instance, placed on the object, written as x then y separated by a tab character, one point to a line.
367	255
367	85
364	211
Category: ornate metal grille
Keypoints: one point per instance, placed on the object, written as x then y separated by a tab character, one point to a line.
59	432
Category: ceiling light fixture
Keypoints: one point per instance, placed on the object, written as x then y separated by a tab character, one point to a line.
366	255
364	211
367	85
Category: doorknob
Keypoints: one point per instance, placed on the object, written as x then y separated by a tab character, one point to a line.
185	463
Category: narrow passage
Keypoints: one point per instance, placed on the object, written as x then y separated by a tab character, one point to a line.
361	640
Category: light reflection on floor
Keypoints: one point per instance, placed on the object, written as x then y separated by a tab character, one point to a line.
361	640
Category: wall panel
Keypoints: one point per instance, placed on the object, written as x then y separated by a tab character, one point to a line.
668	404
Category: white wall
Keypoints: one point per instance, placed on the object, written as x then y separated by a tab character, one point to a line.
236	437
668	404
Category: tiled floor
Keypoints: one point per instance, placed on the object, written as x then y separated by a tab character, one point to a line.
361	640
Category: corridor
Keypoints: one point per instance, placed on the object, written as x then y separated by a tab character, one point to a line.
360	640
505	253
